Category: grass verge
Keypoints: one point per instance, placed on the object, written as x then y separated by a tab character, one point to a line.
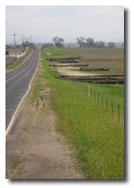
97	137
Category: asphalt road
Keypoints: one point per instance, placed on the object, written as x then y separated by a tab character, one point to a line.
17	83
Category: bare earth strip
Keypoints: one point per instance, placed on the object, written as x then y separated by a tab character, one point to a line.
34	149
70	72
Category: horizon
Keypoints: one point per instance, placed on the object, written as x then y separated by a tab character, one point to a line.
105	23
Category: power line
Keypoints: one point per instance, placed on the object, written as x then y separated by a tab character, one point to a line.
14	35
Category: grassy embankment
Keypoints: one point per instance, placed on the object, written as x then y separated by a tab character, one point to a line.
97	137
111	93
59	53
20	60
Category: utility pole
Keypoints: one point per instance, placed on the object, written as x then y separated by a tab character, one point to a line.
14	35
22	39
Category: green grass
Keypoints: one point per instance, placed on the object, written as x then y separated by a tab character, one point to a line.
63	57
16	162
35	92
113	92
54	51
20	60
97	137
57	53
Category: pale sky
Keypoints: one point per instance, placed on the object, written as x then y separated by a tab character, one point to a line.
69	22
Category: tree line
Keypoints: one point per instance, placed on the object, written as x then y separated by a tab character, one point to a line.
82	42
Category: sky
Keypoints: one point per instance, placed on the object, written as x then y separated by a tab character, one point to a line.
69	22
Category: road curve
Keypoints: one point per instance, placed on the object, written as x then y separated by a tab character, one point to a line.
17	83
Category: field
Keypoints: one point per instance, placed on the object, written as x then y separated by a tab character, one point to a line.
108	58
97	135
105	66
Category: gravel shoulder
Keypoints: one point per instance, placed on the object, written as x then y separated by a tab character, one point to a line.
34	149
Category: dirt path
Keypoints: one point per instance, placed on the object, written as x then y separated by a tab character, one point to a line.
34	149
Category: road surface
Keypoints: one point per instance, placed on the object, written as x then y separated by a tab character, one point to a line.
17	83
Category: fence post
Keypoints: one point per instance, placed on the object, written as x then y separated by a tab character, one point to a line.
107	103
118	112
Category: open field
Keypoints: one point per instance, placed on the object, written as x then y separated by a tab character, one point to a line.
54	51
105	57
92	59
97	136
94	54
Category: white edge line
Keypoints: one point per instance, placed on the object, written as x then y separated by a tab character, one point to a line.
21	63
13	117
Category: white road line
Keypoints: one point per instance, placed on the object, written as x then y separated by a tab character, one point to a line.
13	117
8	71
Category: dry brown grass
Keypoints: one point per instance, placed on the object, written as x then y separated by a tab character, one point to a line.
16	50
104	58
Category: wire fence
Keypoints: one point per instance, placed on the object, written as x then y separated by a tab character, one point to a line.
103	100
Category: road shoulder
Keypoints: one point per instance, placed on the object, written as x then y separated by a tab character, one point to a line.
34	149
20	61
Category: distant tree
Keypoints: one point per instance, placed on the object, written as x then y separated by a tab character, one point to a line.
111	45
81	42
90	43
28	44
18	46
59	42
100	44
46	45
